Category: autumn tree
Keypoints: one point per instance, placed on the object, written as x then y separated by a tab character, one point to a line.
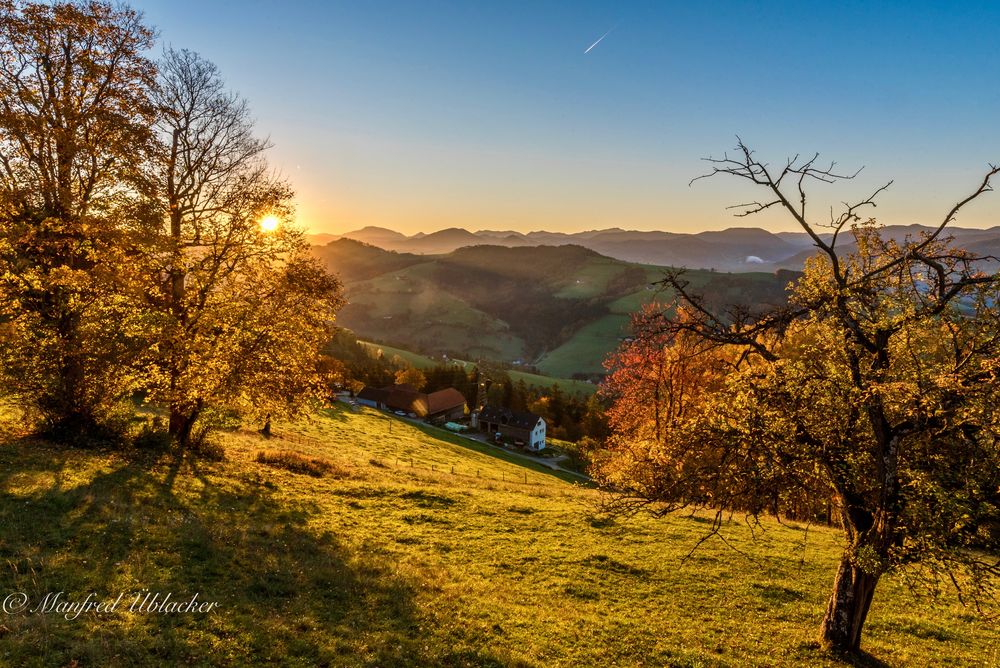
243	309
75	118
411	376
874	387
657	379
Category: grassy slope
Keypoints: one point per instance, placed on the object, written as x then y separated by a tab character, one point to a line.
586	351
413	359
567	385
592	279
385	564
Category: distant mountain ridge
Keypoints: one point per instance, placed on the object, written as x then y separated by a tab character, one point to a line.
736	249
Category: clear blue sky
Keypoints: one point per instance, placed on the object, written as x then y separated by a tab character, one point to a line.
426	115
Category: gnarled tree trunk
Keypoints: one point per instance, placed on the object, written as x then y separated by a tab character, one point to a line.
853	590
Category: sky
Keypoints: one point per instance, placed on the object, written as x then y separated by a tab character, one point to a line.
419	116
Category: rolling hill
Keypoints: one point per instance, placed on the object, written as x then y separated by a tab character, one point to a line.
415	548
562	308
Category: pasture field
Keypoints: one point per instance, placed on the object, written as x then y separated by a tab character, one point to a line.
412	551
586	351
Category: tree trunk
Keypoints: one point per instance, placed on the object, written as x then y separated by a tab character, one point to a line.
66	407
181	423
853	590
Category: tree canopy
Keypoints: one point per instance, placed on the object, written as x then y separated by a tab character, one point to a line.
133	258
75	117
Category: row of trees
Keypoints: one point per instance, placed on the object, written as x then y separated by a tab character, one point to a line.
132	255
874	390
570	417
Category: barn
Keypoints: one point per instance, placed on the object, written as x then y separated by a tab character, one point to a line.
446	404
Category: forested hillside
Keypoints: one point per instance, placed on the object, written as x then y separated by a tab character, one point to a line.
561	308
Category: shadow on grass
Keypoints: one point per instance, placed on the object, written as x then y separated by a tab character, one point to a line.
337	411
813	653
287	592
861	659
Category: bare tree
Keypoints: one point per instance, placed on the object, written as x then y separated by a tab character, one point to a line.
876	385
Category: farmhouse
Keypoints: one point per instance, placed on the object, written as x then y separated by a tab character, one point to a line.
519	426
446	404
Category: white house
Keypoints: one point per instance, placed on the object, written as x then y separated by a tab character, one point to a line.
538	436
523	428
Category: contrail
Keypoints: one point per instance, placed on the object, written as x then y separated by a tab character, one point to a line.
599	40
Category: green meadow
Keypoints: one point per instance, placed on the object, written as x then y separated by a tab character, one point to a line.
413	359
413	549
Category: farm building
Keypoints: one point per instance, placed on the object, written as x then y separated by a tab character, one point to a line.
372	396
405	398
519	426
446	404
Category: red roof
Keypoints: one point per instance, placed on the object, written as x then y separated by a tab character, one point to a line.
444	400
405	398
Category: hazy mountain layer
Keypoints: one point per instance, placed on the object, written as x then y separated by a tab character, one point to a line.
737	249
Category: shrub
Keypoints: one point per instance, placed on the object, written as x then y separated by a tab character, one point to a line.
208	448
297	463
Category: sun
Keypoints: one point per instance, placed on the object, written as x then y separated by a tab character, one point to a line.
269	223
